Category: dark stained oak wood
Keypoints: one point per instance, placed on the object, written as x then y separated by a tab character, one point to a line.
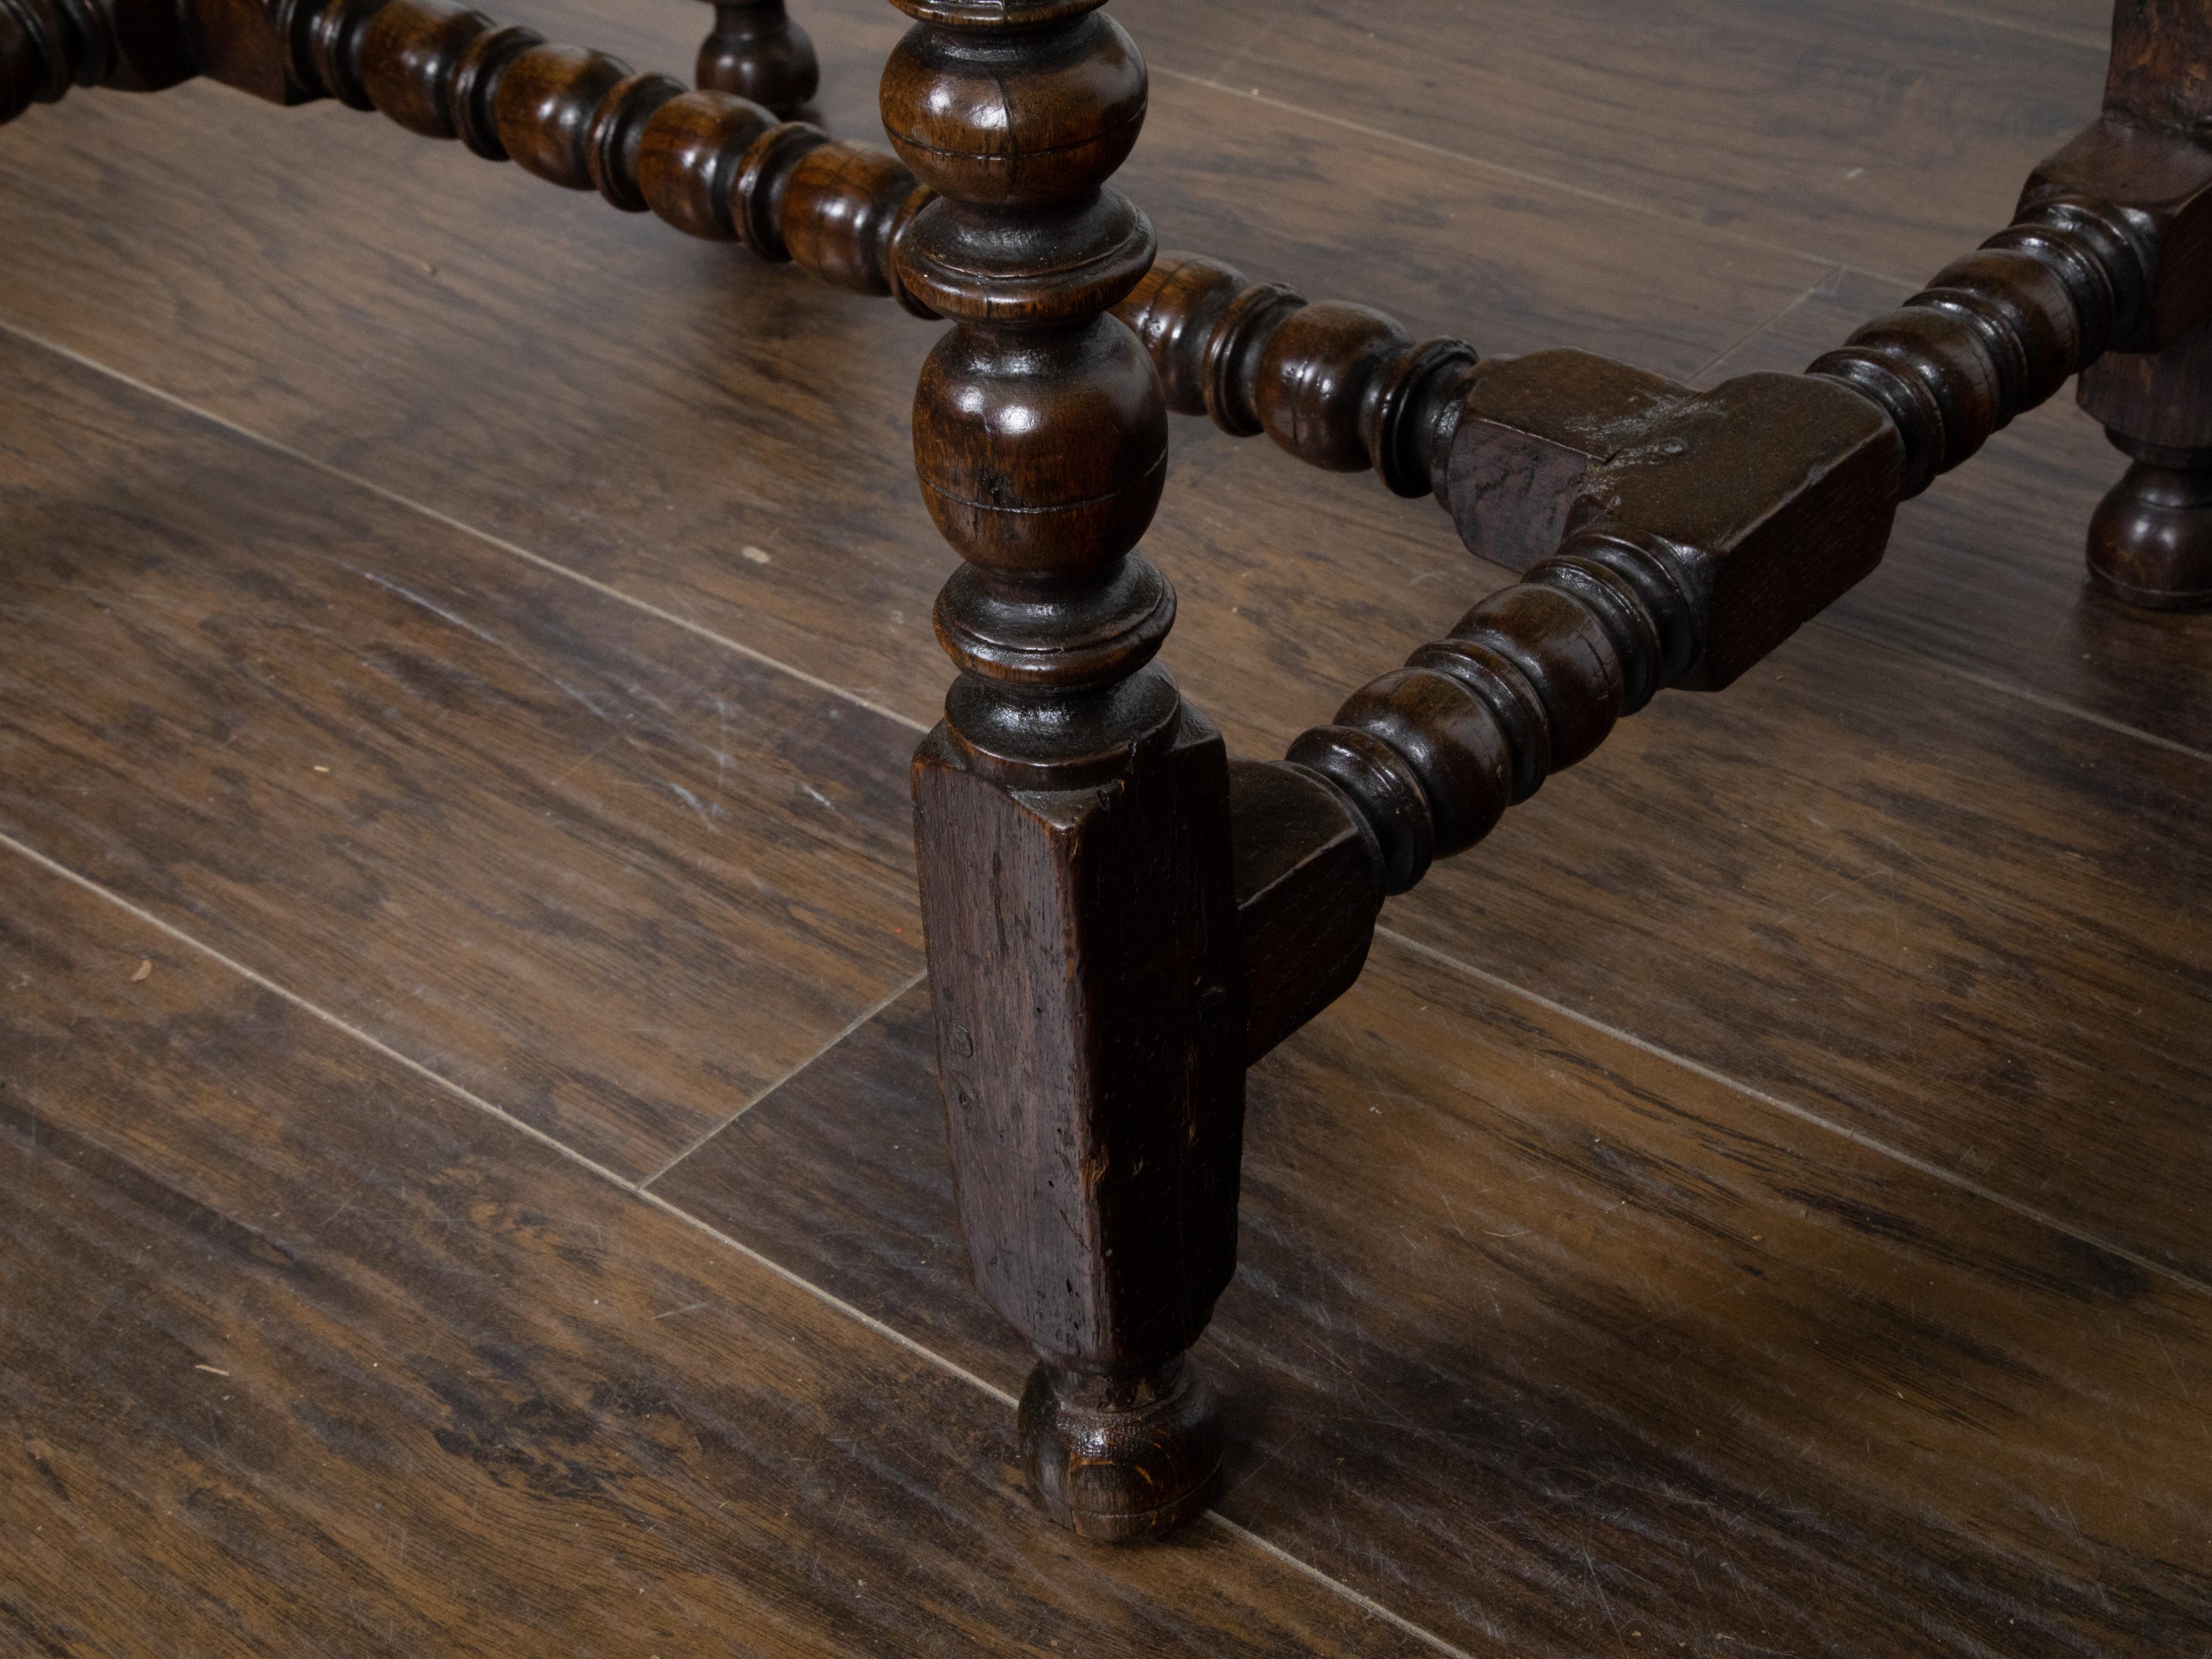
1072	815
611	875
301	1354
2150	543
1501	262
711	163
1992	1055
1576	1352
1674	539
1341	386
1308	888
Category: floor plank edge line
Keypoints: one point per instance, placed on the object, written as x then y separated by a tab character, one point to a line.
636	1190
1803	1115
1998	20
1519	175
470	1098
1368	1603
830	1299
255	976
1751	334
514	549
851	1026
2010	689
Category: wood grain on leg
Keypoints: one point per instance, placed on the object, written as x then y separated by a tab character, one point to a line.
1071	812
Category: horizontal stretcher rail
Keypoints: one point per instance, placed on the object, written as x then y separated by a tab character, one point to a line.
1119	918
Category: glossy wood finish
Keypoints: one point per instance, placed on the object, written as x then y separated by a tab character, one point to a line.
1072	815
2150	543
755	51
685	338
1707	528
1686	574
1340	386
712	164
1695	533
1558	853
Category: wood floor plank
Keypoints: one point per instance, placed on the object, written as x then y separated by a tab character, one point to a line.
616	877
1987	570
1544	1339
1296	588
1576	1352
2083	22
402	318
1974	929
1886	137
300	1354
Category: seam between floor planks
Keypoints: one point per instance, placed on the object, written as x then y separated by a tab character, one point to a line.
1771	1102
261	441
845	693
1524	175
1864	636
1803	1115
1749	335
1997	19
851	1026
636	1190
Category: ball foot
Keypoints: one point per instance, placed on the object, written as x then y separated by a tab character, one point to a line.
2150	543
757	51
1120	1460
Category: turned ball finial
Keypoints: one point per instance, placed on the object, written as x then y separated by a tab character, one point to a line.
756	52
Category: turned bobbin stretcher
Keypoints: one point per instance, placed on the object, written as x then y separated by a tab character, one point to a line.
1120	918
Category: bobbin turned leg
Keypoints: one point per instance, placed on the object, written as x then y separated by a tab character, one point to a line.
757	51
2150	154
1071	811
2150	543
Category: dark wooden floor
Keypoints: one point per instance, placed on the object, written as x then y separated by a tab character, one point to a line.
472	1178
